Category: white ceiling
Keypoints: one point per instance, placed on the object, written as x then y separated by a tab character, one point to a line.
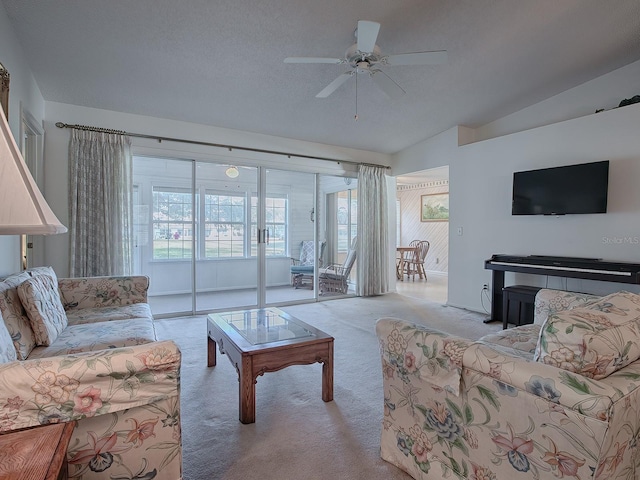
221	62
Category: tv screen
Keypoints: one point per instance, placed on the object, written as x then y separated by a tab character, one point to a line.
571	189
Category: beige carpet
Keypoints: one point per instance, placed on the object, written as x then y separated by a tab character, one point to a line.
296	434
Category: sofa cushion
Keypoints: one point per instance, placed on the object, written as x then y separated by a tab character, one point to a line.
41	300
594	340
523	338
98	336
7	350
14	315
107	314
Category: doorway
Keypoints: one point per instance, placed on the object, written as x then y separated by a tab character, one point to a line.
412	191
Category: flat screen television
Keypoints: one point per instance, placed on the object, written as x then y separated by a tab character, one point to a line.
571	189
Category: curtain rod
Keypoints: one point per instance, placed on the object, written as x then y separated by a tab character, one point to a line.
209	144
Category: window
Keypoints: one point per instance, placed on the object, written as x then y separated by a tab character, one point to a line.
276	223
172	222
224	219
225	225
347	217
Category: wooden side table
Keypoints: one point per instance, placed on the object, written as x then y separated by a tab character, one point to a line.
37	453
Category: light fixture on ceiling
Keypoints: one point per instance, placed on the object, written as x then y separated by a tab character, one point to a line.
23	209
232	172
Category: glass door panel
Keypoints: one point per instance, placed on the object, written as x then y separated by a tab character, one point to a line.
163	207
339	226
292	248
226	271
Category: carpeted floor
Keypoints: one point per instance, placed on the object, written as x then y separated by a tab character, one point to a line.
296	434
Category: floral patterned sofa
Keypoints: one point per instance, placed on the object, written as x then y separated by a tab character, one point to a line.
559	398
85	350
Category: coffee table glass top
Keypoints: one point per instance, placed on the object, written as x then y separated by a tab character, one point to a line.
264	325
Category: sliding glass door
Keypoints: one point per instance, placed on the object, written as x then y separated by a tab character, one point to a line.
292	251
197	226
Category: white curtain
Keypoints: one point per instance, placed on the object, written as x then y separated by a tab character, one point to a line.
101	211
373	226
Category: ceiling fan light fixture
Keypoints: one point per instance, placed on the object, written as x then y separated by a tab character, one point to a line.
365	56
232	172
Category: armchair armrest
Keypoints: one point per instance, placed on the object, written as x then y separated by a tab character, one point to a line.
90	292
573	391
418	351
73	387
333	269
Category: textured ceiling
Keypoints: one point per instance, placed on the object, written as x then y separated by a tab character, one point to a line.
221	62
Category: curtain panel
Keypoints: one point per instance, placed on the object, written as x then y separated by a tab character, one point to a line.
373	226
100	204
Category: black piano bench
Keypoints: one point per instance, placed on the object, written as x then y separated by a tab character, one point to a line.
517	304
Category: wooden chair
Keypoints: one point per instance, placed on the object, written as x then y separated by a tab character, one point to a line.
408	257
416	263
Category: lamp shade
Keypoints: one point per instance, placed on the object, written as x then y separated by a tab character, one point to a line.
23	209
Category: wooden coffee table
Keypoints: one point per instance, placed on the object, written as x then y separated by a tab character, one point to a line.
266	340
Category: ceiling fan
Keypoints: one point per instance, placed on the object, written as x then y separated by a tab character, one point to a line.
365	56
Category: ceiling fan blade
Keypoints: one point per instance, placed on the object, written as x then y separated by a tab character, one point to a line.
313	60
385	83
333	86
367	35
417	58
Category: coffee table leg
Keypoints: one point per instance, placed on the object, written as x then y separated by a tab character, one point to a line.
211	353
247	393
327	375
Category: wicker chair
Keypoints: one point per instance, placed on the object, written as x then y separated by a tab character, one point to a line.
334	278
302	268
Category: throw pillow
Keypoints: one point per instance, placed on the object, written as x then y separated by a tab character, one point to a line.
7	350
14	316
42	302
37	271
594	340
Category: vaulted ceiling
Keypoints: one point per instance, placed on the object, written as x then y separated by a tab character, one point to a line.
222	62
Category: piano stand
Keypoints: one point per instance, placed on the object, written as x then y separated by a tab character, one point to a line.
570	267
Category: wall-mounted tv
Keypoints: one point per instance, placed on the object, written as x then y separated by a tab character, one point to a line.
570	189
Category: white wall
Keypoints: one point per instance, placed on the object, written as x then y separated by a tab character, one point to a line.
24	93
561	130
480	201
604	92
57	142
434	152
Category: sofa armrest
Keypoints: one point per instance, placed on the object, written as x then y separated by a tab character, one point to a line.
73	387
91	292
419	351
548	302
573	391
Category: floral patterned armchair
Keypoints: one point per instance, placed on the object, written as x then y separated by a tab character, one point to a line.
486	410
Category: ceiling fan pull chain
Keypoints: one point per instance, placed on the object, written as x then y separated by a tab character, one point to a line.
356	117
